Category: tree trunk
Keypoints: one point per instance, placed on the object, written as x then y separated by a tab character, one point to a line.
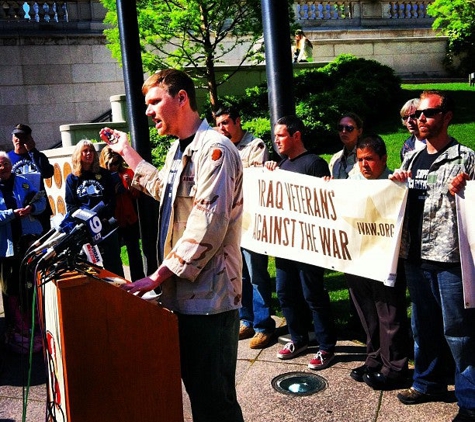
211	80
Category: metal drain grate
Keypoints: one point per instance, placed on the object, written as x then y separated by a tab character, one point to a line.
299	383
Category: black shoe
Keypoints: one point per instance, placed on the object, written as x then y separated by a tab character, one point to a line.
412	396
357	373
465	415
379	381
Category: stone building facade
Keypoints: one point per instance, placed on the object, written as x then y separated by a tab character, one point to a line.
56	70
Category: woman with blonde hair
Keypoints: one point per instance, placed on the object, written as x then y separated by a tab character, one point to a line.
88	185
408	119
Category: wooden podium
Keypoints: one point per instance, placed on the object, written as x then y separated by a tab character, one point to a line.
112	356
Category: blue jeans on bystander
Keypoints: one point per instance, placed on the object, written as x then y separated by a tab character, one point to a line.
256	308
440	319
299	288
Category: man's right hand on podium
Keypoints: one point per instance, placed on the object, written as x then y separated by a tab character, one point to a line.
148	283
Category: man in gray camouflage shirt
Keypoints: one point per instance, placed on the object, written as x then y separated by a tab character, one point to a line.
433	270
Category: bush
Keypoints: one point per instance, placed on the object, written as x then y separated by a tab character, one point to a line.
322	95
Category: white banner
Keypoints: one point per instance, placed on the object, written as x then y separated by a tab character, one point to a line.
353	226
466	227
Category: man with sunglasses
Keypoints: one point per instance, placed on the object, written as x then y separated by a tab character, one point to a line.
432	267
408	118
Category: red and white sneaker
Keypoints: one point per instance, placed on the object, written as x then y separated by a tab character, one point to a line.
291	350
321	360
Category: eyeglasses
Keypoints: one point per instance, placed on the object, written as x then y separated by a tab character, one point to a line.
346	128
409	117
114	163
428	112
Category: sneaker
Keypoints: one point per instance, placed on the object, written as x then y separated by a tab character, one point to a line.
260	340
291	350
245	331
412	396
321	360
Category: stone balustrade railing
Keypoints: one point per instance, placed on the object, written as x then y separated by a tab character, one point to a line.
34	11
309	11
408	9
323	10
333	10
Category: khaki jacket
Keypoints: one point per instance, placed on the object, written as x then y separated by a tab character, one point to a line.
253	151
202	247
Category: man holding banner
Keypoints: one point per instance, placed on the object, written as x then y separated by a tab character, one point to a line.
382	309
299	285
433	269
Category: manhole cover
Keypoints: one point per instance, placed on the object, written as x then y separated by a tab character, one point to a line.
299	383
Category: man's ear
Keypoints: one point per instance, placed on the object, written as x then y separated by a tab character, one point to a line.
182	96
297	135
448	117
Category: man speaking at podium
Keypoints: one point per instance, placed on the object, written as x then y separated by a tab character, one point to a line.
200	194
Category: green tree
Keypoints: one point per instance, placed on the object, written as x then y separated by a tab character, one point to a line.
192	34
456	19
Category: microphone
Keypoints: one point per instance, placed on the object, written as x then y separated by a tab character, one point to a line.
91	222
81	227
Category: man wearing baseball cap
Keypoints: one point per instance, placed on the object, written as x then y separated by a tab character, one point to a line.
27	160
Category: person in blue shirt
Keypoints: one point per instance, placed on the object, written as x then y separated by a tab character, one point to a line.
87	186
31	163
19	206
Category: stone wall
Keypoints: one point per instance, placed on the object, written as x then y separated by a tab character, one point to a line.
410	52
47	81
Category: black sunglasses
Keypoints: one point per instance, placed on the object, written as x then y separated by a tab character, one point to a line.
349	129
409	116
428	112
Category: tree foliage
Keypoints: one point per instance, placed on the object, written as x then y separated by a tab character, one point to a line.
192	34
322	95
456	19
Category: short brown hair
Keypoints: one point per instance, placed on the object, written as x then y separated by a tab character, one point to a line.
173	81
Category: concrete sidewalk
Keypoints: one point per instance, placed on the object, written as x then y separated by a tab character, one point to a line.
343	400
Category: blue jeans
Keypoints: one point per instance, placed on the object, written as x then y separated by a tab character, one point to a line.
208	351
300	288
439	319
256	292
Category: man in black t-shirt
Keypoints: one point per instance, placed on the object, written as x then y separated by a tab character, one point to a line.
300	286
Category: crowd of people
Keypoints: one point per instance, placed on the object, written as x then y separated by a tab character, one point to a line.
221	293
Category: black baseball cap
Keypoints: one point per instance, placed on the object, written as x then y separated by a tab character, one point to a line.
21	129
